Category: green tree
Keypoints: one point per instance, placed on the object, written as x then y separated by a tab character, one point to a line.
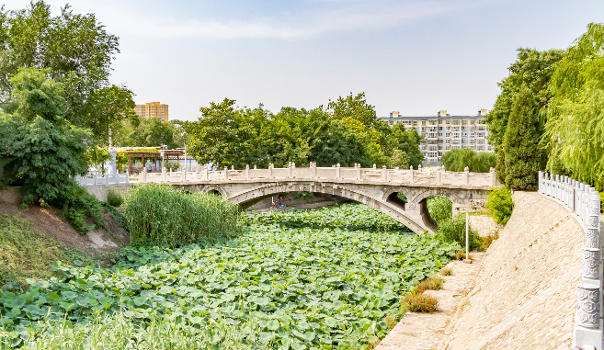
575	125
401	144
221	136
76	51
523	156
458	159
153	132
44	151
533	69
353	106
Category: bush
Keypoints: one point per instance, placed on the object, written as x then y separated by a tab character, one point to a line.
173	165
114	199
433	283
420	302
162	216
78	206
446	271
500	204
440	208
486	241
455	230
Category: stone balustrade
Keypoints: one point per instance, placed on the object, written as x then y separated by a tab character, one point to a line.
584	201
93	179
421	176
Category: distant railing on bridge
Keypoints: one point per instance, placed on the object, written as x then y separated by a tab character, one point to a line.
584	201
432	175
93	179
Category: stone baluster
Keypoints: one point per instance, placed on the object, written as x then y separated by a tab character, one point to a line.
539	181
338	172
374	166
270	170
493	177
466	174
384	173
313	169
290	170
439	177
359	171
419	168
247	171
207	172
144	175
226	173
411	174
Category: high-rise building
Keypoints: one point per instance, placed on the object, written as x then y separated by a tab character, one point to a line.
444	132
152	110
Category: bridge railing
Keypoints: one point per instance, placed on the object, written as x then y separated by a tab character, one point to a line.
93	179
584	201
432	176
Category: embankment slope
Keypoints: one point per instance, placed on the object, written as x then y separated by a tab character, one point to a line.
524	295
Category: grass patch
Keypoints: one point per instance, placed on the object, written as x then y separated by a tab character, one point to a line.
25	253
455	230
446	271
433	283
488	240
460	255
420	302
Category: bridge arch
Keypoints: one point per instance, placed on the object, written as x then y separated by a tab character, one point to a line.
410	219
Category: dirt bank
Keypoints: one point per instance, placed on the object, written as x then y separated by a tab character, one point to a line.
49	221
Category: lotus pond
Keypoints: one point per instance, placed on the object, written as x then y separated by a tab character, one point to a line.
328	278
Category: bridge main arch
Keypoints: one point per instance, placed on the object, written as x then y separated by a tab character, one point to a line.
359	193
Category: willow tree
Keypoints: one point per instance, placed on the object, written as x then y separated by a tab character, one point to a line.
575	125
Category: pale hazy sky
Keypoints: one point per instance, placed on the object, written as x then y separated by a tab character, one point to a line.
415	56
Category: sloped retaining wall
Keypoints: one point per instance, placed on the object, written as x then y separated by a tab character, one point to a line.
584	202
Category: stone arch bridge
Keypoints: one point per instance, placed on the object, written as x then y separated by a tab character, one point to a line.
376	187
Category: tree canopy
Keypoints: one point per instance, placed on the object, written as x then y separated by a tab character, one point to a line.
74	50
347	132
575	124
532	69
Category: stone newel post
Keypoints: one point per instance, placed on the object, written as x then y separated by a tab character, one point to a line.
226	173
338	171
247	171
313	169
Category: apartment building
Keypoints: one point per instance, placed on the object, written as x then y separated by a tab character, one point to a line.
444	132
152	110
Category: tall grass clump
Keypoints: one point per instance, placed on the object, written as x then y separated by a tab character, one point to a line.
159	215
455	230
500	204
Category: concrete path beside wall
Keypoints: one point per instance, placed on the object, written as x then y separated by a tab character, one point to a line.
523	295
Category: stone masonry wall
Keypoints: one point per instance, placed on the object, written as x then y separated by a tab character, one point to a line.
525	294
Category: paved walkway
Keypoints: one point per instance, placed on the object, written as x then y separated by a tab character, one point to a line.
419	331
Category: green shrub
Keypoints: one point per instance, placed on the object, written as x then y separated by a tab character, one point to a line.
500	204
114	199
162	216
440	208
446	271
174	165
420	302
79	206
455	230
